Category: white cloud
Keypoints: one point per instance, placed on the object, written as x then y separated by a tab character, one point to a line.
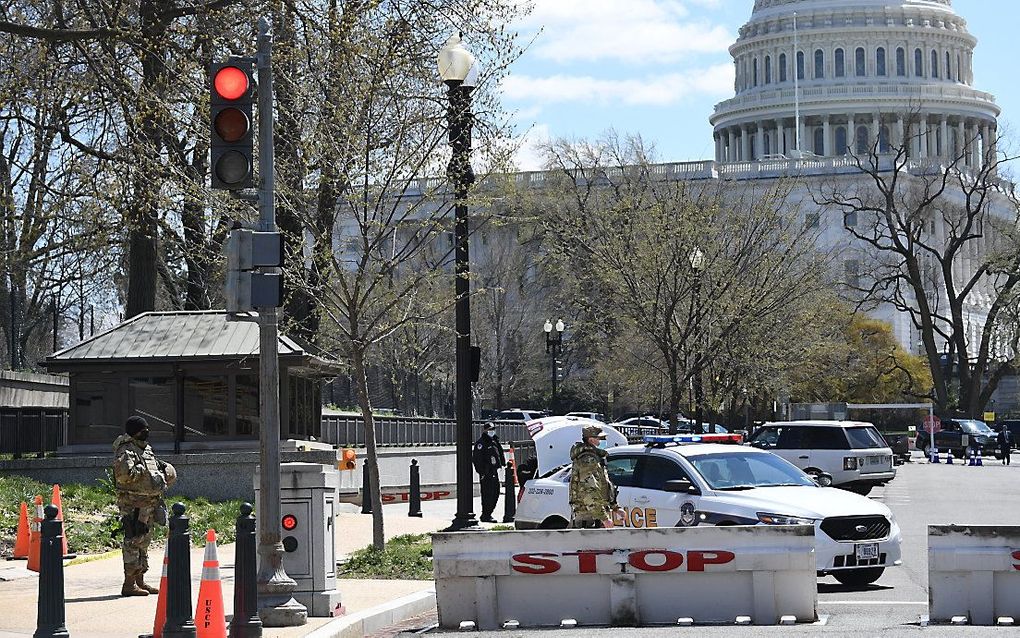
528	155
638	31
661	90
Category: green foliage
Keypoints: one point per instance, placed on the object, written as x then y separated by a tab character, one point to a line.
91	518
406	556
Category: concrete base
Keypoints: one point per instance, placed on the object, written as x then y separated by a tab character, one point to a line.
320	604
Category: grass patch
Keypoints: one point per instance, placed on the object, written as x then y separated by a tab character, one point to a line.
92	521
408	556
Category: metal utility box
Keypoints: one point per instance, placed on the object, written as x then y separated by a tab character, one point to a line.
307	515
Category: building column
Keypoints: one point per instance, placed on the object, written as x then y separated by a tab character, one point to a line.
731	146
780	137
718	146
745	144
959	154
876	127
851	134
986	145
975	150
898	142
826	137
944	137
922	141
760	142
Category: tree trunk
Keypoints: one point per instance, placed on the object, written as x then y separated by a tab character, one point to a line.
365	404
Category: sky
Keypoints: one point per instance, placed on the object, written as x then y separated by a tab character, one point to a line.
658	67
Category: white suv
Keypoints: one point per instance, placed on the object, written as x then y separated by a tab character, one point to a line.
853	453
666	483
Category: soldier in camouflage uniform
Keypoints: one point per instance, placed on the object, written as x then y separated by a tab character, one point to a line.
141	480
592	495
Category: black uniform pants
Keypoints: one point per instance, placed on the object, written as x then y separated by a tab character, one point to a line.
490	493
1004	450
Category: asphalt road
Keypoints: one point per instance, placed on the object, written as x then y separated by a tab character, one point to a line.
921	494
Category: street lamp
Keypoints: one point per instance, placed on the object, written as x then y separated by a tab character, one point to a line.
553	347
697	261
457	69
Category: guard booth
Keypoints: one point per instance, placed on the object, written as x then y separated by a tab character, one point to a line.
307	516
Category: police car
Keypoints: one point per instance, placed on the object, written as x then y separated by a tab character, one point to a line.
688	480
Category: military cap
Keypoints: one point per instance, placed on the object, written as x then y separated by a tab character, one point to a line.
592	430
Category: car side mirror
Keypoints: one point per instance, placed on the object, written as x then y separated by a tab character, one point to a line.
681	486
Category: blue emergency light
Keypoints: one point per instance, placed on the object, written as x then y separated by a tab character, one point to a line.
663	439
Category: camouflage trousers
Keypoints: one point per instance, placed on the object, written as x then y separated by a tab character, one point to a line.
137	536
589	514
586	523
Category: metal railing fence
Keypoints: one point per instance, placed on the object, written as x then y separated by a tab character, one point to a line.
349	430
32	431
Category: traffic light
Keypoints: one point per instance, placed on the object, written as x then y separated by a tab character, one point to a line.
289	522
231	139
348	459
247	290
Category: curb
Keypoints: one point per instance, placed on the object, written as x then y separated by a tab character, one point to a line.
378	617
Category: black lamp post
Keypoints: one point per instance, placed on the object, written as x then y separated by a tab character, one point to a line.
553	347
697	261
458	71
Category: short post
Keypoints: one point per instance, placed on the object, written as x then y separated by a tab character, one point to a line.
50	621
509	495
414	506
179	622
246	622
366	493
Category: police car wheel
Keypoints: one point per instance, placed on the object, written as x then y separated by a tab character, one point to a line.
859	577
554	522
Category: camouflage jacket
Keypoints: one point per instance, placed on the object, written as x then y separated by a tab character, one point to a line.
590	488
139	477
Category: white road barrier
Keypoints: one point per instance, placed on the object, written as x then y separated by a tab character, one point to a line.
625	577
973	572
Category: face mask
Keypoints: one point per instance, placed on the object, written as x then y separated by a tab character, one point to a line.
143	435
603	444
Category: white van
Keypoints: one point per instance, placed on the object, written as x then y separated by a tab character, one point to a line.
852	452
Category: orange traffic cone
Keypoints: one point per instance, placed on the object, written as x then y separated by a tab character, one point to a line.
55	500
513	464
210	621
157	625
35	536
22	541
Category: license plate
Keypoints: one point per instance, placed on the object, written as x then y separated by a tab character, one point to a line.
877	460
868	551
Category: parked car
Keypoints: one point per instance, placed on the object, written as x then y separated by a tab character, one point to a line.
518	414
899	443
950	438
594	416
852	452
674	483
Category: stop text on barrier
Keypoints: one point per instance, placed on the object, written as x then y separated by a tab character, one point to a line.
403	497
644	560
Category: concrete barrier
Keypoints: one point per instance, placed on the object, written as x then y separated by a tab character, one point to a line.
974	572
625	577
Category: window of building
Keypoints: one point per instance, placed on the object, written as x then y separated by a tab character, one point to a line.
819	64
934	63
754	72
949	66
205	406
247	404
841	140
768	144
819	141
840	61
859	63
901	62
782	67
768	69
880	62
800	65
97	416
959	69
850	219
852	270
811	220
153	398
883	139
862	140
918	63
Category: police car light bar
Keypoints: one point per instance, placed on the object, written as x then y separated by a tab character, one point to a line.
662	439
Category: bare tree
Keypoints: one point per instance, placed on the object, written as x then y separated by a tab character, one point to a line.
942	235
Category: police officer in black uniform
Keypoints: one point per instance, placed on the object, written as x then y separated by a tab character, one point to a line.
487	457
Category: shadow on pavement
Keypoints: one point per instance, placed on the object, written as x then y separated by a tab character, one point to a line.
836	588
93	599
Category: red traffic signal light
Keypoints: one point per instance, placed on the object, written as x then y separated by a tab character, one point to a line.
231	139
289	522
347	459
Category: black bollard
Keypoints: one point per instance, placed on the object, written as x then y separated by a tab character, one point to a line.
509	497
50	621
414	508
179	622
246	622
366	494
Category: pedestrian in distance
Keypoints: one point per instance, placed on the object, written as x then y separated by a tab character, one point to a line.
487	457
1005	441
592	494
141	481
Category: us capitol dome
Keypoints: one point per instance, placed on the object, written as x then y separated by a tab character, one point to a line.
854	74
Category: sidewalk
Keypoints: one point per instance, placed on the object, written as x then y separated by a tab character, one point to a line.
95	609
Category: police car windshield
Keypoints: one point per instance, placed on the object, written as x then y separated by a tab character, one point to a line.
742	471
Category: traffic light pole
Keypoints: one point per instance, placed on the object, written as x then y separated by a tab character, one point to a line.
276	604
